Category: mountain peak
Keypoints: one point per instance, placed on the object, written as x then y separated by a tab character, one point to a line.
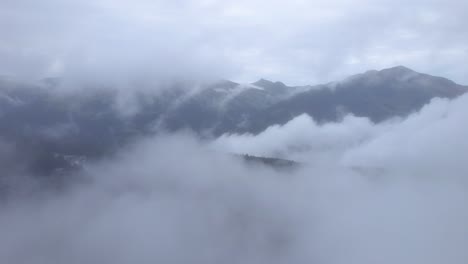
267	83
224	84
400	67
263	82
398	70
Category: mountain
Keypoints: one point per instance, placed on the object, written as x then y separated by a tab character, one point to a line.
226	106
378	95
53	131
275	163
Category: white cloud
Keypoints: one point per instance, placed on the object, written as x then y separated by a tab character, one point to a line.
425	144
303	139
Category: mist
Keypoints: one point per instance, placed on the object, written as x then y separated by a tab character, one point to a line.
387	193
111	152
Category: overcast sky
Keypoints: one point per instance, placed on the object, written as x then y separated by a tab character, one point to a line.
295	41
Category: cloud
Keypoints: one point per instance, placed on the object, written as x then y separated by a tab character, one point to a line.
102	43
299	42
391	193
428	141
366	193
303	139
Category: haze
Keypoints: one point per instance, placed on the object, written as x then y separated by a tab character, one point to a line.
122	140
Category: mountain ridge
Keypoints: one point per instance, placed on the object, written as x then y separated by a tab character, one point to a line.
50	129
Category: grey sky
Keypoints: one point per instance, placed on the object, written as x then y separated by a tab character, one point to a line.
296	41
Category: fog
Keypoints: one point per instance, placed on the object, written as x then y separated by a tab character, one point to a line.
389	193
427	141
364	193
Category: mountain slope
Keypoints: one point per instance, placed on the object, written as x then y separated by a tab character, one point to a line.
378	95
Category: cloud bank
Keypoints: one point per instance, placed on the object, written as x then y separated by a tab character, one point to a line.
390	193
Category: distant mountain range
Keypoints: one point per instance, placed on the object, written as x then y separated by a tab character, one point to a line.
228	107
52	132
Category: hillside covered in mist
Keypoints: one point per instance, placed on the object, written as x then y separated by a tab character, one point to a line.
233	132
53	126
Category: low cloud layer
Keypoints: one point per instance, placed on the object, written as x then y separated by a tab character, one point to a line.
390	193
303	139
435	136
